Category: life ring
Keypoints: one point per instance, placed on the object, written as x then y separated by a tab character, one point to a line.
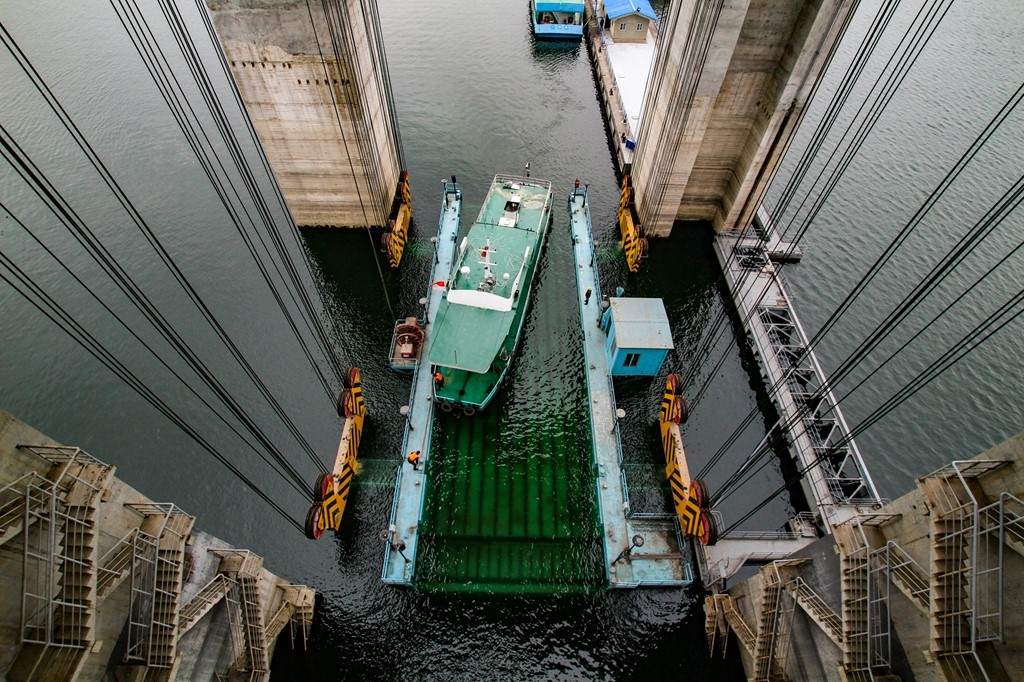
313	527
445	406
468	410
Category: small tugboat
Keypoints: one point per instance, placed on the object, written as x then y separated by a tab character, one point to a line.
557	19
406	345
478	324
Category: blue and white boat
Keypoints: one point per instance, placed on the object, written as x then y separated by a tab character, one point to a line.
554	19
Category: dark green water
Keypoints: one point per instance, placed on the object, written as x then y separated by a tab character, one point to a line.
475	96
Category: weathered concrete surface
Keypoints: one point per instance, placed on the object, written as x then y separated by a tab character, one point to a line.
723	104
813	656
203	653
324	122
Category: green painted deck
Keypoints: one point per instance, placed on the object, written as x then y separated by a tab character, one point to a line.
473	346
510	512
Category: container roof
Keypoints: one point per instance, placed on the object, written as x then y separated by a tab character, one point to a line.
621	8
641	323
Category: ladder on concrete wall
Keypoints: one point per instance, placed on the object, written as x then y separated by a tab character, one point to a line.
771	641
854	557
966	567
131	557
904	572
59	535
816	609
246	569
208	596
153	622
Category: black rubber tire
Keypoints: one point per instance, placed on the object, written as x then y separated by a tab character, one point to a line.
318	487
684	409
701	488
313	530
342	402
445	407
708	532
468	410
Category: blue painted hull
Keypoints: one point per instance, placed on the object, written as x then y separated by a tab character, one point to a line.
557	20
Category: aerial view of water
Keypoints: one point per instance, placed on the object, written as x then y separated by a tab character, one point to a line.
475	96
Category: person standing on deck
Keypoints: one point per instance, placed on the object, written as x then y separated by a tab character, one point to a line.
586	296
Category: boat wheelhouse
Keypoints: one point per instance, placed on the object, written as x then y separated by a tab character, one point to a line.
557	19
479	321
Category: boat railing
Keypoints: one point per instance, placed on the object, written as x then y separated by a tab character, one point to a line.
522	180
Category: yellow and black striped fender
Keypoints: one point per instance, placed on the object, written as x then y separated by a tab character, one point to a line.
330	492
395	239
633	243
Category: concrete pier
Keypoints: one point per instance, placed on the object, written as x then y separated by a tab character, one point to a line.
323	115
924	588
729	86
97	580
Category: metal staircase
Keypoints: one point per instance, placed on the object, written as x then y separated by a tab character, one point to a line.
209	596
816	608
246	568
58	528
965	608
903	572
130	557
769	645
853	562
153	623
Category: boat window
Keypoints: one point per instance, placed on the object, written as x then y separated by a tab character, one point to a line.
511	206
622	26
639	27
631	360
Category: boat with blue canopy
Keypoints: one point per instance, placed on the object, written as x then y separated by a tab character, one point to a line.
557	19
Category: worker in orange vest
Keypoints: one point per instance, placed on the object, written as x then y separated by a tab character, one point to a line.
414	460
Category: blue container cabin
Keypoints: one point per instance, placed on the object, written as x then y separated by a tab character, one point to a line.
557	19
639	336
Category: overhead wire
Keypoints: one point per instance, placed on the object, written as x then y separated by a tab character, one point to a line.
56	314
169	87
25	170
336	35
83	235
271	179
916	220
1009	202
211	96
283	468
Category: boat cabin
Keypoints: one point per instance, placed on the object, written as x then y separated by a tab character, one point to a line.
627	21
639	336
557	19
511	216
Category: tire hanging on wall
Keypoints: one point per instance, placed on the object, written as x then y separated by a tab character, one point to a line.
313	529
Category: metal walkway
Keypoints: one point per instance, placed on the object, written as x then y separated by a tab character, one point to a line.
401	536
660	559
835	479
